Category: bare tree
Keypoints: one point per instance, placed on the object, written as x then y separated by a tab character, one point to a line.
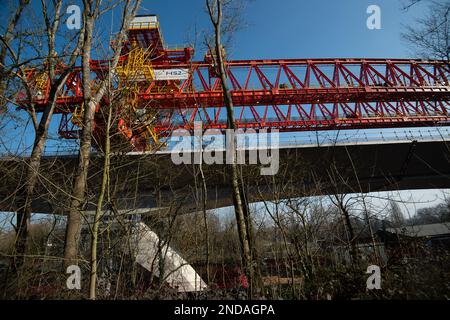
215	11
396	215
430	34
92	11
55	80
5	47
103	189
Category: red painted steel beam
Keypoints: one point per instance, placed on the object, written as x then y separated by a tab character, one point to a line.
288	94
293	96
283	94
305	81
298	126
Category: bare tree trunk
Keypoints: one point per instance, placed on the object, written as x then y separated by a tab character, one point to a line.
349	227
98	211
216	19
205	223
90	102
27	191
79	187
41	130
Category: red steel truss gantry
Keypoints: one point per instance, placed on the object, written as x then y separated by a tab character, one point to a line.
283	94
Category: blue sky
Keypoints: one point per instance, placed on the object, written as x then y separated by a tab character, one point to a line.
283	29
296	28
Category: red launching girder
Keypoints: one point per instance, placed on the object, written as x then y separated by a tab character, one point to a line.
288	94
291	94
300	94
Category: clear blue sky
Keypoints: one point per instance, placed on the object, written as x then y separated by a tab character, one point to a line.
296	28
282	29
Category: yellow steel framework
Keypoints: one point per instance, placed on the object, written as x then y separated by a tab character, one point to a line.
77	115
147	118
40	83
133	72
137	66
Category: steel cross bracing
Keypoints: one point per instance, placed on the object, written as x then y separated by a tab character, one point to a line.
297	94
284	94
311	94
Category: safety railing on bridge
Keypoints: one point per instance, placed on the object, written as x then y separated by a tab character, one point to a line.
287	140
325	138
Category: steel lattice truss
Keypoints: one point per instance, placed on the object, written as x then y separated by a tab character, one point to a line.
311	94
289	94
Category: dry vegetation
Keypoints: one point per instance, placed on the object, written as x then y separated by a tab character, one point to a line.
277	241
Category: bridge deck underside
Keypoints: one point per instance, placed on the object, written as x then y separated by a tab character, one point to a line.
153	181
